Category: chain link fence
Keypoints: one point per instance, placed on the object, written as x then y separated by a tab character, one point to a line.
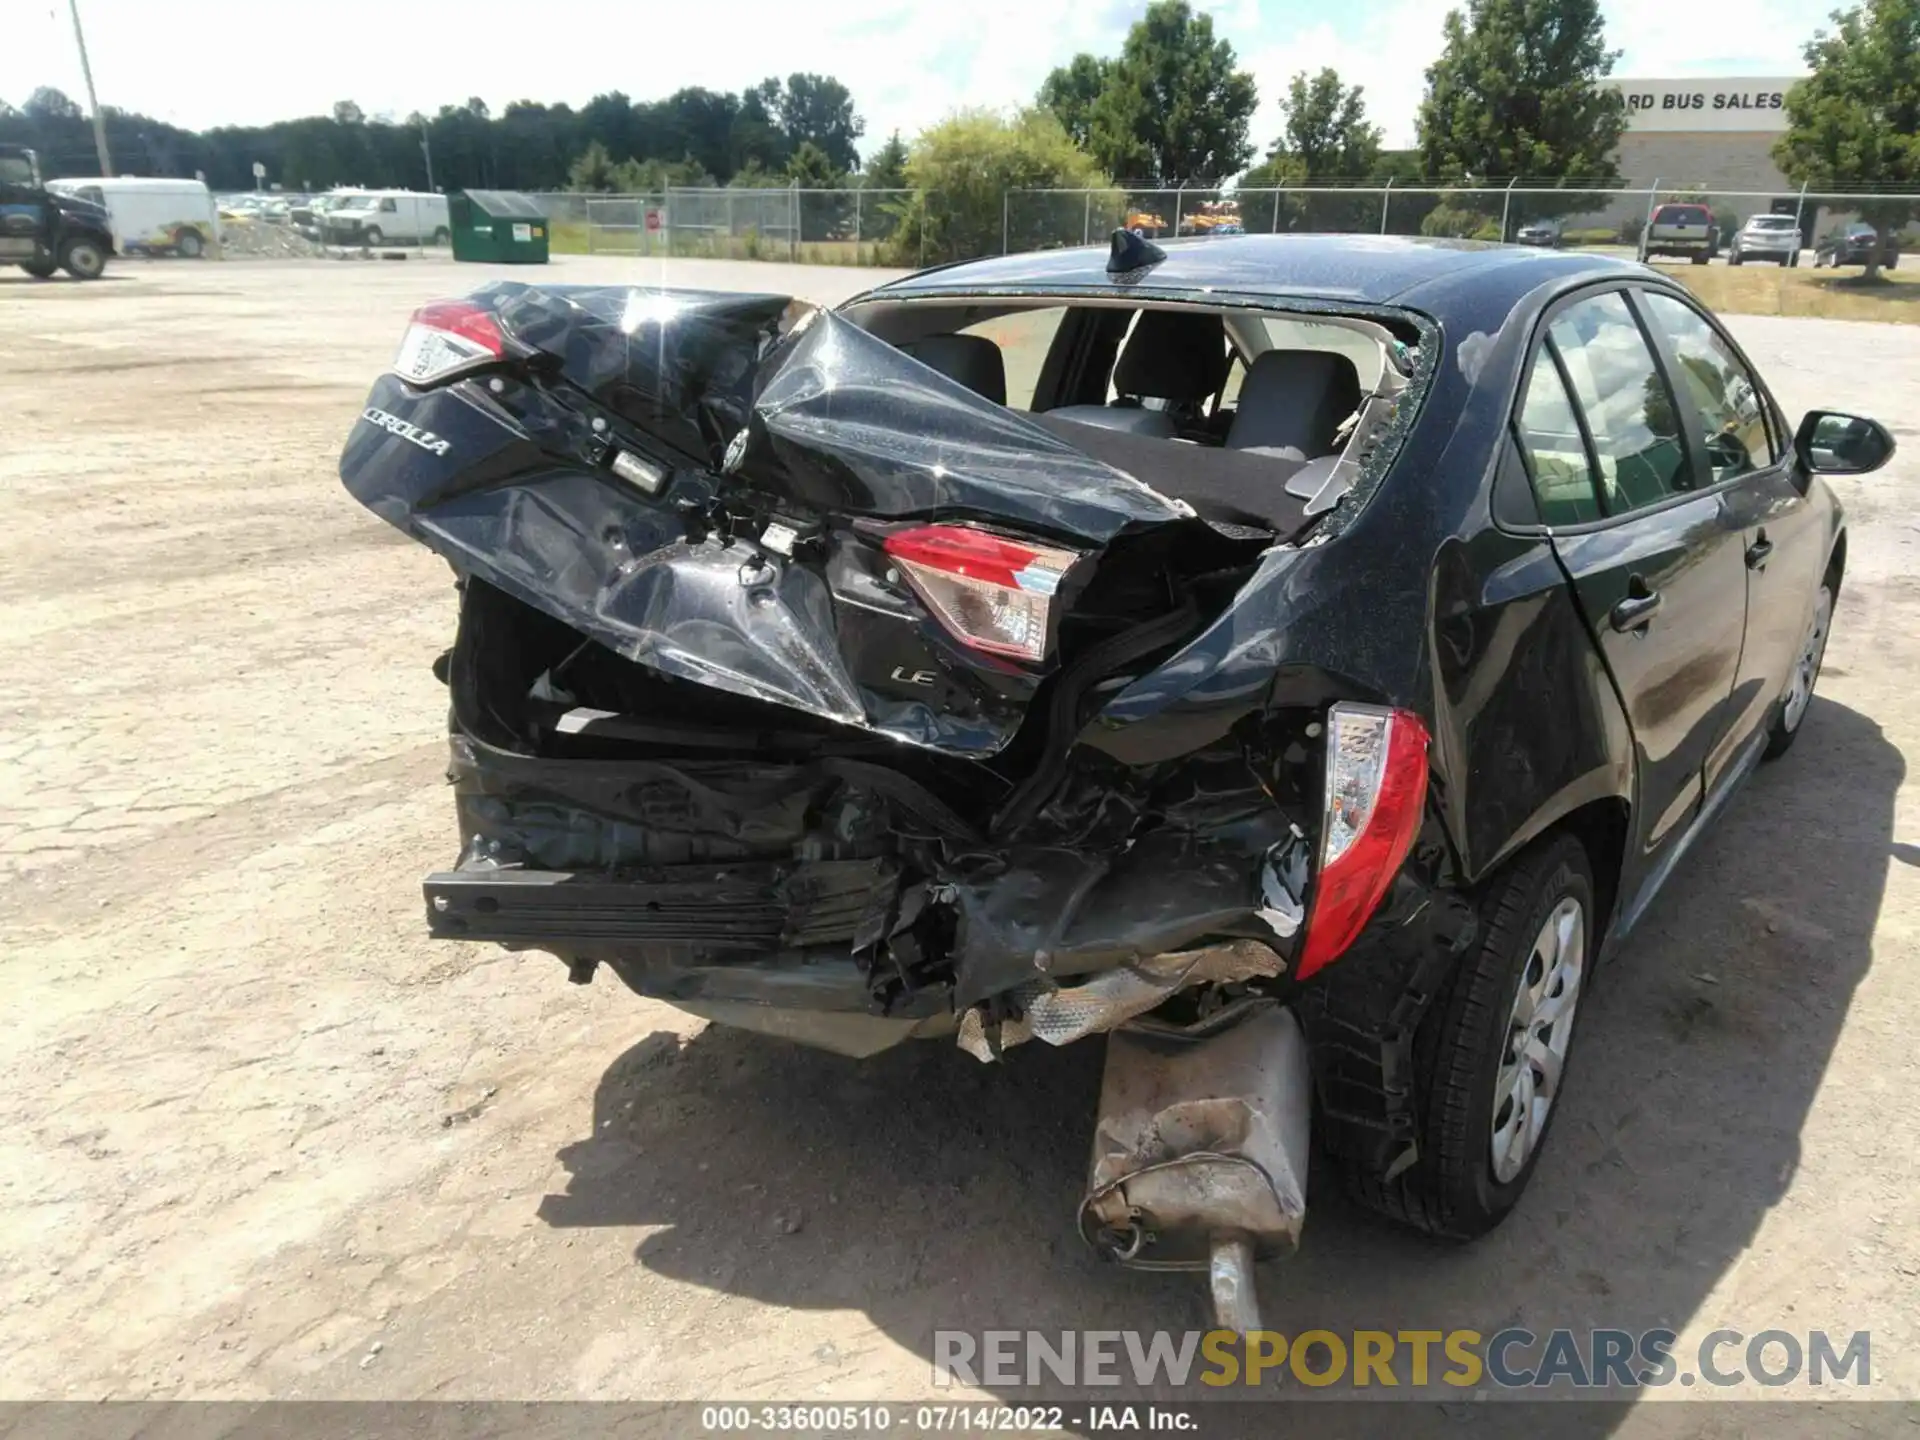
1611	218
833	227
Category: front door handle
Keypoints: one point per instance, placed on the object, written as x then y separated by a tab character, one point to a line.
1634	612
1758	552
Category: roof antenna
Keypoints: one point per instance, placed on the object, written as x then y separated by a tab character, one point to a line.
1132	255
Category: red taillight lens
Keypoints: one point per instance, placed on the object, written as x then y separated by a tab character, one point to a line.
992	593
1376	791
445	338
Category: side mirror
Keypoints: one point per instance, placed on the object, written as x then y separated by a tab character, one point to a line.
1832	443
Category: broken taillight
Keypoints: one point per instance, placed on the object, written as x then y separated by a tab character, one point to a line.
993	593
1376	791
445	338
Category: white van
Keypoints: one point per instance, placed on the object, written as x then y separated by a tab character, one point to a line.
387	217
174	217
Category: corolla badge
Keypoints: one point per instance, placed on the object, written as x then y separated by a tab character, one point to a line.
393	424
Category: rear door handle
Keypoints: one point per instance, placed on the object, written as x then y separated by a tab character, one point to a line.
1634	612
1758	552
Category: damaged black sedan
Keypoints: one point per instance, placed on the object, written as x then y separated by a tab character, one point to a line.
1297	658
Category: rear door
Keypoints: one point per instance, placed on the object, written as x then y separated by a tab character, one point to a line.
1659	574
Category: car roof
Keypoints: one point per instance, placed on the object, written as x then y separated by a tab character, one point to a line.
1412	271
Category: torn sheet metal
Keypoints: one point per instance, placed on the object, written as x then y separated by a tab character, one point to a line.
759	429
1196	1142
1060	1014
842	420
1069	912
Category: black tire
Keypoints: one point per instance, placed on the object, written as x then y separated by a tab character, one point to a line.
442	235
189	245
1786	260
1735	258
1451	1191
40	269
372	236
83	259
1699	259
1790	717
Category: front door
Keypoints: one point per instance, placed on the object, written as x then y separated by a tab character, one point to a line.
1782	538
22	210
1658	570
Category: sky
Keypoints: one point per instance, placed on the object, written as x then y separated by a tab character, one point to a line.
200	63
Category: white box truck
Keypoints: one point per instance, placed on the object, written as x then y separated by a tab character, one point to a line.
152	216
387	217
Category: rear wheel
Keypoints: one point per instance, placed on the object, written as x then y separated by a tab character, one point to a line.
1701	258
1490	1058
188	245
83	259
442	235
372	236
1735	258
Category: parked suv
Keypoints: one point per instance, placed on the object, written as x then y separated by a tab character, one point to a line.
1766	237
42	232
1683	229
1853	245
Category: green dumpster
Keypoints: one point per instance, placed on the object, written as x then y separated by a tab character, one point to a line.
502	227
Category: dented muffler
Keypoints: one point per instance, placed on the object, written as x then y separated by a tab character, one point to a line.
1200	1153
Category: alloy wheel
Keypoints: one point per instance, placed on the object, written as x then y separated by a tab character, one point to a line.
1539	1030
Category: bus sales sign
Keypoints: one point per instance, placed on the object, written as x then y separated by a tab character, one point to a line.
1714	104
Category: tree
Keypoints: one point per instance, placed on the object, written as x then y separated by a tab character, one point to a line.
346	112
1071	92
1854	123
1324	137
1515	93
47	103
811	169
961	170
593	170
818	109
1324	126
1174	108
887	166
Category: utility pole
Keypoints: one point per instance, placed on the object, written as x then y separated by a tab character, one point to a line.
93	100
426	149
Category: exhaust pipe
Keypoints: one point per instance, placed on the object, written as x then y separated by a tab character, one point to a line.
1200	1154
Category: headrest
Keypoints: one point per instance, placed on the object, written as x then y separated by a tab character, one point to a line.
1173	355
970	360
1294	398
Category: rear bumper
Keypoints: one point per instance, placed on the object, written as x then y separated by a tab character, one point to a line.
749	908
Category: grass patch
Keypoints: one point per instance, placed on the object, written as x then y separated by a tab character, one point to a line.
571	237
1823	294
567	237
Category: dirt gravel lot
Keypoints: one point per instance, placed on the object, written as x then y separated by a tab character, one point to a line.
260	1138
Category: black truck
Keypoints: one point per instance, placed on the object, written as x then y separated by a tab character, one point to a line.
42	232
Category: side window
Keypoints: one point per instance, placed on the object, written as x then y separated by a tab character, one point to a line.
1024	338
389	206
1628	409
1731	411
1556	455
1236	377
93	193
